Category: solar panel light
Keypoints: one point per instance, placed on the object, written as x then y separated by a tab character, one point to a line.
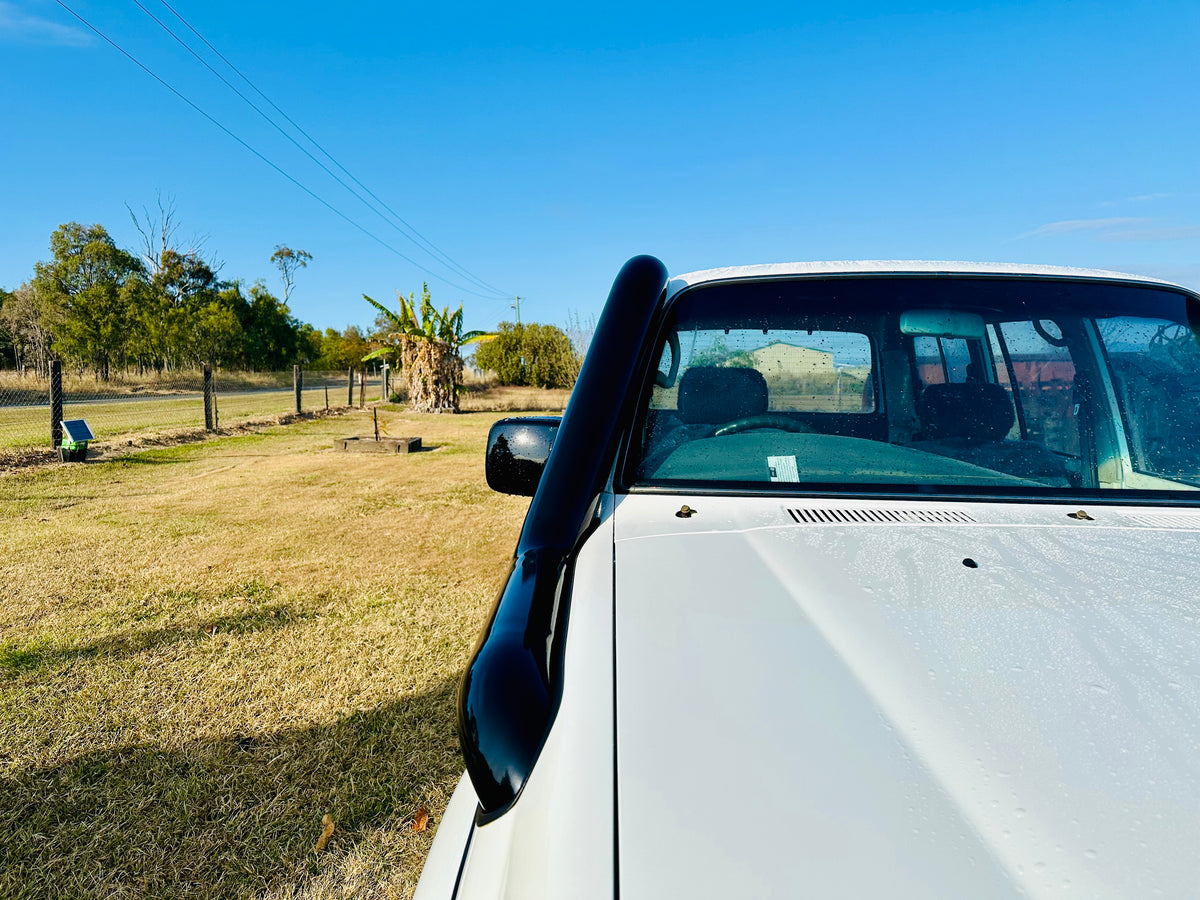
76	434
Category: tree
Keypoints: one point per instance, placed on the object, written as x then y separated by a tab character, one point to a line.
334	350
159	232
289	262
272	335
7	339
85	280
216	335
533	355
427	343
168	311
29	322
8	346
719	354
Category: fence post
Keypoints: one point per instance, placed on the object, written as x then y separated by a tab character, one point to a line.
208	398
384	393
327	397
362	389
298	381
56	403
350	390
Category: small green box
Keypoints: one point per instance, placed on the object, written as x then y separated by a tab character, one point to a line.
76	435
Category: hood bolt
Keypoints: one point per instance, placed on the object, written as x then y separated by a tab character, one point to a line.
685	512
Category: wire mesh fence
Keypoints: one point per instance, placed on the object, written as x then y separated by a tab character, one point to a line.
130	404
24	411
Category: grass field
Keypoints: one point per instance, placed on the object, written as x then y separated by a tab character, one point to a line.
205	649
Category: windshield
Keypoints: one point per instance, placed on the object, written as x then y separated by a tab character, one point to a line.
928	384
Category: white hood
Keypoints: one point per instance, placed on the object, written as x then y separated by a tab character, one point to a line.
815	709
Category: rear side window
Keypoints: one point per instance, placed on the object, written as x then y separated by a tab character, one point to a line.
1043	375
942	360
807	371
1156	373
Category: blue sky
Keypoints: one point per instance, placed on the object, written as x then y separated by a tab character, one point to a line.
541	146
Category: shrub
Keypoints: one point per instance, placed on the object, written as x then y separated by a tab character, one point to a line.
530	355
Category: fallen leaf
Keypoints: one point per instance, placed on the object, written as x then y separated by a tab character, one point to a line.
421	820
326	832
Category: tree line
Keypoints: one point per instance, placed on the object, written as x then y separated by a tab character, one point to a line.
101	308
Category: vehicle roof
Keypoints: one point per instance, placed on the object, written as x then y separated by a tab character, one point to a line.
900	267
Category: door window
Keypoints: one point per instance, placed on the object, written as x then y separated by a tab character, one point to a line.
1043	376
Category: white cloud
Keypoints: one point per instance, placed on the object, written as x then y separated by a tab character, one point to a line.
1138	198
21	25
1069	226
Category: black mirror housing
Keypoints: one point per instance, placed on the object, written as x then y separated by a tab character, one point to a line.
517	450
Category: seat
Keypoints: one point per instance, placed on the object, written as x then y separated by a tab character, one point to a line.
976	412
708	396
969	422
714	395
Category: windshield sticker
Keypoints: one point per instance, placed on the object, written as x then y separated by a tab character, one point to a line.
783	468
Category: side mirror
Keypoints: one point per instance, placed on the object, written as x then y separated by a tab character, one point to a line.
517	450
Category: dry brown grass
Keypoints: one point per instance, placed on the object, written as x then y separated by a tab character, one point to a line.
206	648
507	399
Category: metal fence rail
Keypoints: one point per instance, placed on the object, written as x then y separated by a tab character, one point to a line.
132	404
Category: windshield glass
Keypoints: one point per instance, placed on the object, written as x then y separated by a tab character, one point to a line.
928	384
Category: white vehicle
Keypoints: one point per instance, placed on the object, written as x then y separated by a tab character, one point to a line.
848	580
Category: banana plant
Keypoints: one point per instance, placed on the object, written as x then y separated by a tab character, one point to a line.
424	322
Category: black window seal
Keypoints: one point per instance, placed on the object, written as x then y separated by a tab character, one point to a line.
940	493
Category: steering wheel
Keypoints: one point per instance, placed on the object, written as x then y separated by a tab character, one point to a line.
778	421
1046	336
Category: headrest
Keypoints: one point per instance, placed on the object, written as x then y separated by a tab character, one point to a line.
712	395
978	411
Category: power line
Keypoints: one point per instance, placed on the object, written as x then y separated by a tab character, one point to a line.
416	236
247	146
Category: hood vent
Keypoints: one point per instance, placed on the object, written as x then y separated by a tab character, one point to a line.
1180	522
831	516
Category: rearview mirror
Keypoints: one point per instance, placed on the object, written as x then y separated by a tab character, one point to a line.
943	323
517	450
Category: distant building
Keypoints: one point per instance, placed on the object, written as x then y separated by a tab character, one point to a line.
780	358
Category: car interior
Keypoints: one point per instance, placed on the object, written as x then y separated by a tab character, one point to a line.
1047	385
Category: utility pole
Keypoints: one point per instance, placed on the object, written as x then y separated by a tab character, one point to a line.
516	304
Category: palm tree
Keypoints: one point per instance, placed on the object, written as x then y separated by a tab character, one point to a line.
427	343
